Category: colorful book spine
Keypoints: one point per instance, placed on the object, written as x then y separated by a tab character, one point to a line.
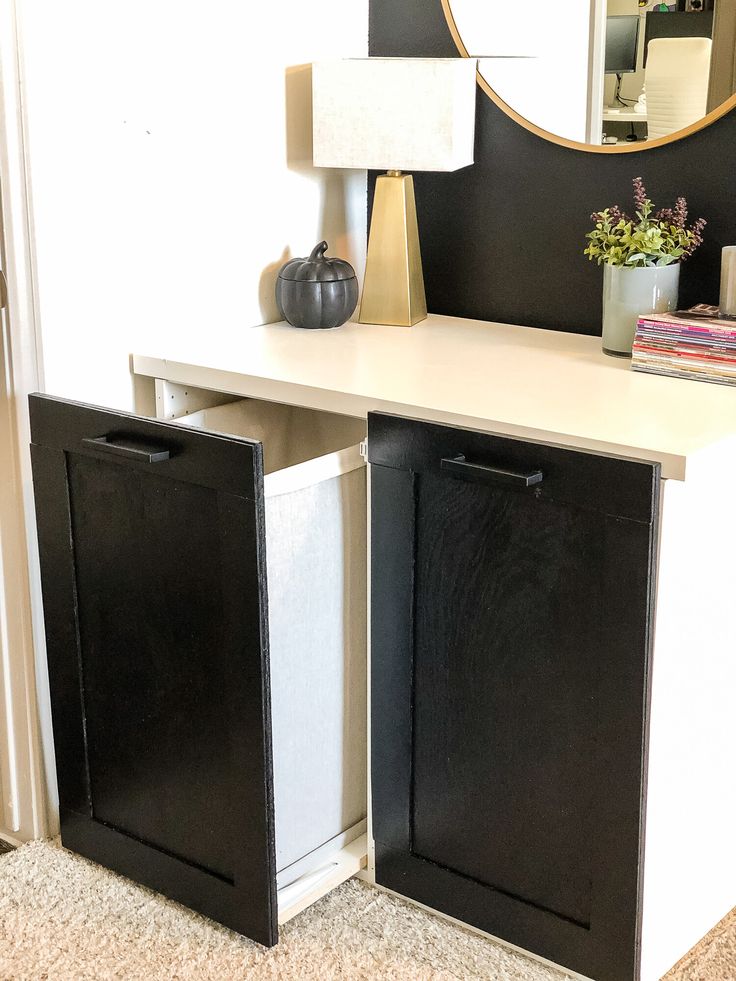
687	345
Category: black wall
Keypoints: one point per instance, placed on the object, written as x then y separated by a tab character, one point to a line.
503	239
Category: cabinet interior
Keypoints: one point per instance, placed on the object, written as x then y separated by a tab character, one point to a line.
290	434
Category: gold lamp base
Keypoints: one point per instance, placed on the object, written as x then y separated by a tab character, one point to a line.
393	290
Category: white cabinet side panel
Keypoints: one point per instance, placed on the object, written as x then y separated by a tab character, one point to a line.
690	852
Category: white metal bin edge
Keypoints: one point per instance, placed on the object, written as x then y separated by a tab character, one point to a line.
313	471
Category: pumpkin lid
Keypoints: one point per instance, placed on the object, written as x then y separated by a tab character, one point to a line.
317	268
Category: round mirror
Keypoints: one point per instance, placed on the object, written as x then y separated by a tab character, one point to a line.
603	75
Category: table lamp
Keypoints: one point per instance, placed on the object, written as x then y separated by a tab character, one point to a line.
394	114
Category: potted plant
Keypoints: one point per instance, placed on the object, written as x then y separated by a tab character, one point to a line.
641	258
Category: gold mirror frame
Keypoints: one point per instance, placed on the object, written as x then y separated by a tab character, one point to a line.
680	134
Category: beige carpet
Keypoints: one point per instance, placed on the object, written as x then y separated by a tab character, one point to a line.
65	919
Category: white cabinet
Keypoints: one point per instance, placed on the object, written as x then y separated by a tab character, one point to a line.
264	461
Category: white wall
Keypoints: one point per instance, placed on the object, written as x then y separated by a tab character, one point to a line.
540	57
170	163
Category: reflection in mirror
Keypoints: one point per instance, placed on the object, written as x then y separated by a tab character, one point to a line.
603	72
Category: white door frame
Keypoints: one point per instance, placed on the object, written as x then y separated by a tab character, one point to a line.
24	706
596	69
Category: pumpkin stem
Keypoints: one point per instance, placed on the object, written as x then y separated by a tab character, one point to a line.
318	251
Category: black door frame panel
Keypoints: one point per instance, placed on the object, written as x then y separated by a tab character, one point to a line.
626	494
233	468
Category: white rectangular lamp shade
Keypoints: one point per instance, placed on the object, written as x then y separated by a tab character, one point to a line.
394	113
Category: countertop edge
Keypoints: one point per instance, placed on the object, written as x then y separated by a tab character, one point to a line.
674	466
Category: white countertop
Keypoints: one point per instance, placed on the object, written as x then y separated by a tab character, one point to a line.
535	384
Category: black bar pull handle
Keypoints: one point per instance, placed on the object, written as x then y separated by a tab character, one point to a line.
125	448
458	466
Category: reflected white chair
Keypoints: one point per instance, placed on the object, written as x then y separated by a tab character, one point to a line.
676	80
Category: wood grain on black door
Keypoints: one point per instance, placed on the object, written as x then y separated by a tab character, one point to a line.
153	571
512	593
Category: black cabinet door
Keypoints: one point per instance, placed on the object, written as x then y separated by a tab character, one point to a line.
512	590
151	540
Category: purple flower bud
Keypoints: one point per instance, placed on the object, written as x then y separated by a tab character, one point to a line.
680	215
640	194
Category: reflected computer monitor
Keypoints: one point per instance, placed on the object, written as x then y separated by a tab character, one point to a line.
622	40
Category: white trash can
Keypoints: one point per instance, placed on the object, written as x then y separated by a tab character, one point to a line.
316	527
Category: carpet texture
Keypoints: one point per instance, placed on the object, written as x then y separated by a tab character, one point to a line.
64	919
713	959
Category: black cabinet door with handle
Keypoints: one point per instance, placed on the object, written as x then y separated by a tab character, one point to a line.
151	544
512	592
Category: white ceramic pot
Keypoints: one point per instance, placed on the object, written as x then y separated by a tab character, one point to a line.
628	293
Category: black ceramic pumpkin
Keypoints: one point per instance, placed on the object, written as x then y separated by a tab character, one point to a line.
316	292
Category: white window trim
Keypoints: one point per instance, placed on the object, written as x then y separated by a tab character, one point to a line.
27	786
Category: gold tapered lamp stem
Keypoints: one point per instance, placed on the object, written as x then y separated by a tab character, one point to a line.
393	290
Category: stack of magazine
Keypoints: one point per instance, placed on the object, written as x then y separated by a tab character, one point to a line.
696	343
